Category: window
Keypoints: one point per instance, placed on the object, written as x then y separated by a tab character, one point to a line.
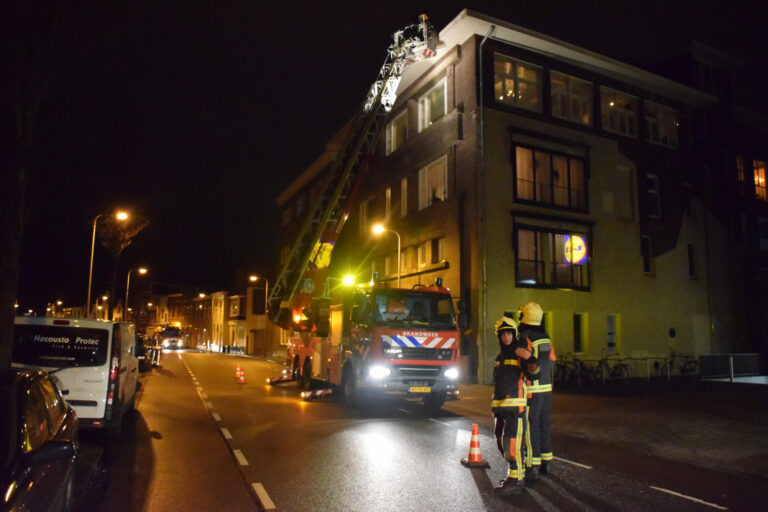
691	261
612	322
551	259
618	112
432	106
423	254
397	132
645	250
760	187
35	427
431	252
387	203
367	212
433	183
661	124
571	98
403	197
550	178
579	332
516	83
654	196
54	405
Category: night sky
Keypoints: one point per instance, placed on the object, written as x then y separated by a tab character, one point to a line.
196	117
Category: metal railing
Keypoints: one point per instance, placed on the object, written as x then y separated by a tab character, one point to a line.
730	365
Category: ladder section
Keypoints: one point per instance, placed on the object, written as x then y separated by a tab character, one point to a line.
326	217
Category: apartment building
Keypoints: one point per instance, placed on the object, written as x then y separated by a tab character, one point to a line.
518	167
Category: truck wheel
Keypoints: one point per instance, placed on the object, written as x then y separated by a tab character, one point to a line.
306	374
433	402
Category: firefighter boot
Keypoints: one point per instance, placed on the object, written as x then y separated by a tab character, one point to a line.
509	486
533	474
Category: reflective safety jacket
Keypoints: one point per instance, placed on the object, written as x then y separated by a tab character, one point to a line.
509	374
542	348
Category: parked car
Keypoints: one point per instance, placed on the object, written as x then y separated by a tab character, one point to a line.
95	361
38	443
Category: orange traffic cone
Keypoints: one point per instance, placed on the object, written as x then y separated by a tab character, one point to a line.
241	377
474	459
237	371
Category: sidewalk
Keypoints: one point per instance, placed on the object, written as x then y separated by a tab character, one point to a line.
710	424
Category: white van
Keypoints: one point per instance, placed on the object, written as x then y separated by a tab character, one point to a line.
94	360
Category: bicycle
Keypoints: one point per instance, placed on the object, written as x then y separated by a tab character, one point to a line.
619	370
689	365
570	371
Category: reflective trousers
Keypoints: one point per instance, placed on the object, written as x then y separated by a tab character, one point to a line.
511	426
540	430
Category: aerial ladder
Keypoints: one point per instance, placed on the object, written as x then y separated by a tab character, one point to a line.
303	273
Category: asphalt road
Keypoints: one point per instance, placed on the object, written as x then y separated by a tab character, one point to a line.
201	440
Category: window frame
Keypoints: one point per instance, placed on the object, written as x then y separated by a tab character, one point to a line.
631	117
654	209
551	192
505	77
391	132
758	173
666	132
425	109
425	198
569	97
547	265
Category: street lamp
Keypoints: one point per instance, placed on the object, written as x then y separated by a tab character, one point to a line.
120	215
379	229
253	279
142	271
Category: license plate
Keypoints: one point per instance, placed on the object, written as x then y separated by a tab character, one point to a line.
419	389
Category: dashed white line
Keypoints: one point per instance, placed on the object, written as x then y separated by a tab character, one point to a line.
240	457
403	410
574	463
209	404
226	433
697	500
216	416
441	422
266	502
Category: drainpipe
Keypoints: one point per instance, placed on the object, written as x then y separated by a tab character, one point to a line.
482	329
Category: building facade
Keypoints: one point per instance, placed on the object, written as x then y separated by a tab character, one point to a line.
518	167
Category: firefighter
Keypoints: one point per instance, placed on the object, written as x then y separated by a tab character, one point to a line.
513	364
533	335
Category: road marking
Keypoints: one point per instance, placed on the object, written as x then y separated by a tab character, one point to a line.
441	422
574	463
216	416
261	492
697	500
404	410
240	457
209	404
226	433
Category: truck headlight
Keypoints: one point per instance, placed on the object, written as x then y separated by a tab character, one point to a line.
452	373
379	372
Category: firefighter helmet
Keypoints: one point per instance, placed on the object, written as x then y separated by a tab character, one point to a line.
531	313
505	323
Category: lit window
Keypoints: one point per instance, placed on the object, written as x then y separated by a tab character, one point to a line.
550	178
432	106
571	98
516	83
551	258
654	196
760	186
618	112
661	124
433	183
397	132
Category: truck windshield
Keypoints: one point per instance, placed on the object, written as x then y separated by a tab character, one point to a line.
171	332
59	346
407	308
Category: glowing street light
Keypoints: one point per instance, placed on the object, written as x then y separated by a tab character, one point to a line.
379	229
120	215
142	271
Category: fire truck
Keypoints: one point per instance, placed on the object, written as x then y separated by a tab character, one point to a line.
375	339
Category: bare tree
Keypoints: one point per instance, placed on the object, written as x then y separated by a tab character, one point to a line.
116	236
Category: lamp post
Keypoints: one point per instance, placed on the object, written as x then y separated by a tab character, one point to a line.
120	216
142	271
379	229
253	279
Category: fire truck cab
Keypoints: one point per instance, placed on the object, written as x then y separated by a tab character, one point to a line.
382	340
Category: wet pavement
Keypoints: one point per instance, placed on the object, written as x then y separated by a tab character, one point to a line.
716	425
